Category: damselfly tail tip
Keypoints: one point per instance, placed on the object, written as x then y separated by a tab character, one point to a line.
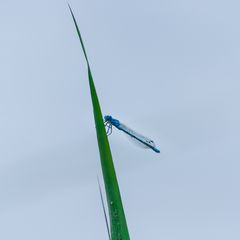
157	150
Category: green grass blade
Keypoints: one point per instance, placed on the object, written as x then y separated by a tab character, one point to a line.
79	34
118	224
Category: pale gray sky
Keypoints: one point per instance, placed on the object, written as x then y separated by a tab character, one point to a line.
168	69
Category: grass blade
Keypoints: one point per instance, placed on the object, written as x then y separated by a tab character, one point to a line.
118	224
104	210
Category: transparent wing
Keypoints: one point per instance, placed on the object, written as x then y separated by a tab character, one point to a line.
139	139
136	142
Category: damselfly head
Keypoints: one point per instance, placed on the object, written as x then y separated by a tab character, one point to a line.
108	118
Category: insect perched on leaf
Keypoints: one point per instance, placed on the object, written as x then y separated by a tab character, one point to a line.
143	141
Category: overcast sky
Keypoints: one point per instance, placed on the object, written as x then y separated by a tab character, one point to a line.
168	69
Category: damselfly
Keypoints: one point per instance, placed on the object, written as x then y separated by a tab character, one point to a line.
146	142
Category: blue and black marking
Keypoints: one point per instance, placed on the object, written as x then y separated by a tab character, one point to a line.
110	121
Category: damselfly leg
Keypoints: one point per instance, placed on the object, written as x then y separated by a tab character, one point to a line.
109	128
109	132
